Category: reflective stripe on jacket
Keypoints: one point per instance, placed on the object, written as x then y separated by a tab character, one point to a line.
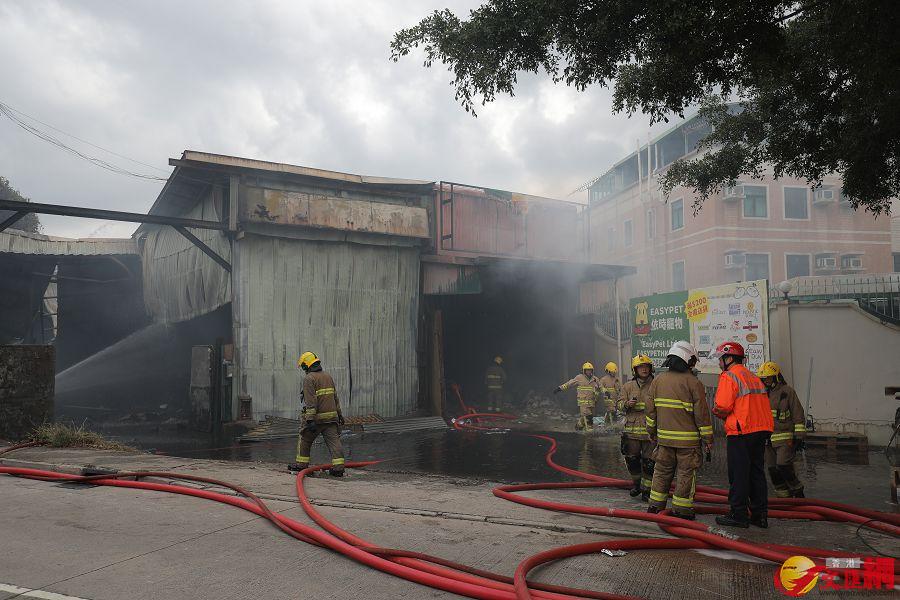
635	423
586	390
610	390
742	400
494	377
787	414
676	412
320	400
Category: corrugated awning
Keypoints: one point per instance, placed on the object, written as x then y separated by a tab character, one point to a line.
13	241
572	271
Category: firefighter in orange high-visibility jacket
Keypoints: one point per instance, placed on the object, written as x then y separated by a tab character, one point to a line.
610	390
321	415
636	446
494	380
678	419
789	435
587	389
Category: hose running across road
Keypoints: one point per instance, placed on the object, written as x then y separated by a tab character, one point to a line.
469	581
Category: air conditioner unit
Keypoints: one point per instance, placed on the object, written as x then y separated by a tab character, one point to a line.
735	260
851	262
735	192
826	262
823	196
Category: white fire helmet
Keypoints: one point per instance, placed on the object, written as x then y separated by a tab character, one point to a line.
683	350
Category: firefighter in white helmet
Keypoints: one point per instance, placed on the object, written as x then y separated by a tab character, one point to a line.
678	419
587	389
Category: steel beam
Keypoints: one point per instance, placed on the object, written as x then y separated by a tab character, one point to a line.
12	219
206	249
108	215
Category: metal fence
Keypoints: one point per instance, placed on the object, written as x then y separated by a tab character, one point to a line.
877	294
605	320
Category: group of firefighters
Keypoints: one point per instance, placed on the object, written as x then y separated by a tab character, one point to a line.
667	425
668	429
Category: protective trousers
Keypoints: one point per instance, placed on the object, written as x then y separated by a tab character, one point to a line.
680	464
495	400
780	463
639	461
586	417
331	432
747	475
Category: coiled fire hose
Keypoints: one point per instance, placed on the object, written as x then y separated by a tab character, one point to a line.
468	581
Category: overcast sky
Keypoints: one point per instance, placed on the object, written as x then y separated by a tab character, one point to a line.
307	83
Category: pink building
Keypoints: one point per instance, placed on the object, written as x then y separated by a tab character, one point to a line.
768	228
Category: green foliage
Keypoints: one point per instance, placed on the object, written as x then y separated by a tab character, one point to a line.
29	222
818	82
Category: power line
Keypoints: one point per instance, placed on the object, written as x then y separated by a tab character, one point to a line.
12	115
75	137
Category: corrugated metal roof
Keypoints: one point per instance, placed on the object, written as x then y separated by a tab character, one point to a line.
13	241
353	305
264	165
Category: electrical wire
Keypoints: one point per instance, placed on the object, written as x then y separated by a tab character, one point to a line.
13	115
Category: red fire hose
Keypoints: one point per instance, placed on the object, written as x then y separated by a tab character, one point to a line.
468	581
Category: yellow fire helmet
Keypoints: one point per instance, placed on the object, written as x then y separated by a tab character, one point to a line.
768	369
611	367
498	360
641	359
307	359
587	366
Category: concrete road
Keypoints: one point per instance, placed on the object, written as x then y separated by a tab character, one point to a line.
102	543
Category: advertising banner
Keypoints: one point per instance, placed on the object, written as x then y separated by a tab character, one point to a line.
658	321
706	317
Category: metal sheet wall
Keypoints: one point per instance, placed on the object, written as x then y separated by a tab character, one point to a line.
180	281
353	305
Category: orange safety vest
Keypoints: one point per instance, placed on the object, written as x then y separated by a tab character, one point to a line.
742	400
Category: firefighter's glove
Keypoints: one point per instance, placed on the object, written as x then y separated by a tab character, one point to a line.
557	390
799	444
310	426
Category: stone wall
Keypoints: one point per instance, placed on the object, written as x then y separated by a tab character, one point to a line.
26	388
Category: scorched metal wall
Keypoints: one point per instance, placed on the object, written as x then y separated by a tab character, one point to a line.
354	305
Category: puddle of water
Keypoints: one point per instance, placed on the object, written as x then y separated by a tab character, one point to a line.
843	477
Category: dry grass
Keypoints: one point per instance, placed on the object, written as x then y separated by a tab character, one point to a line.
60	435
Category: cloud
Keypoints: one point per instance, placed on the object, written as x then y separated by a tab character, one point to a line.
298	82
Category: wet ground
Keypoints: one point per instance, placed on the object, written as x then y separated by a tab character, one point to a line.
859	478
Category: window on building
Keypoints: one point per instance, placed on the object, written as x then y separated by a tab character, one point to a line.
897	262
678	276
796	203
757	267
610	238
628	233
651	224
678	215
797	265
756	205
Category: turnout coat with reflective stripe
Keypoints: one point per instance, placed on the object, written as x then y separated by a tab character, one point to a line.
742	400
320	400
676	410
494	377
635	424
586	390
610	389
787	413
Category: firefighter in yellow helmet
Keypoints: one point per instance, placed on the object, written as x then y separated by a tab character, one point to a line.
321	415
610	390
789	434
494	380
587	389
636	446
